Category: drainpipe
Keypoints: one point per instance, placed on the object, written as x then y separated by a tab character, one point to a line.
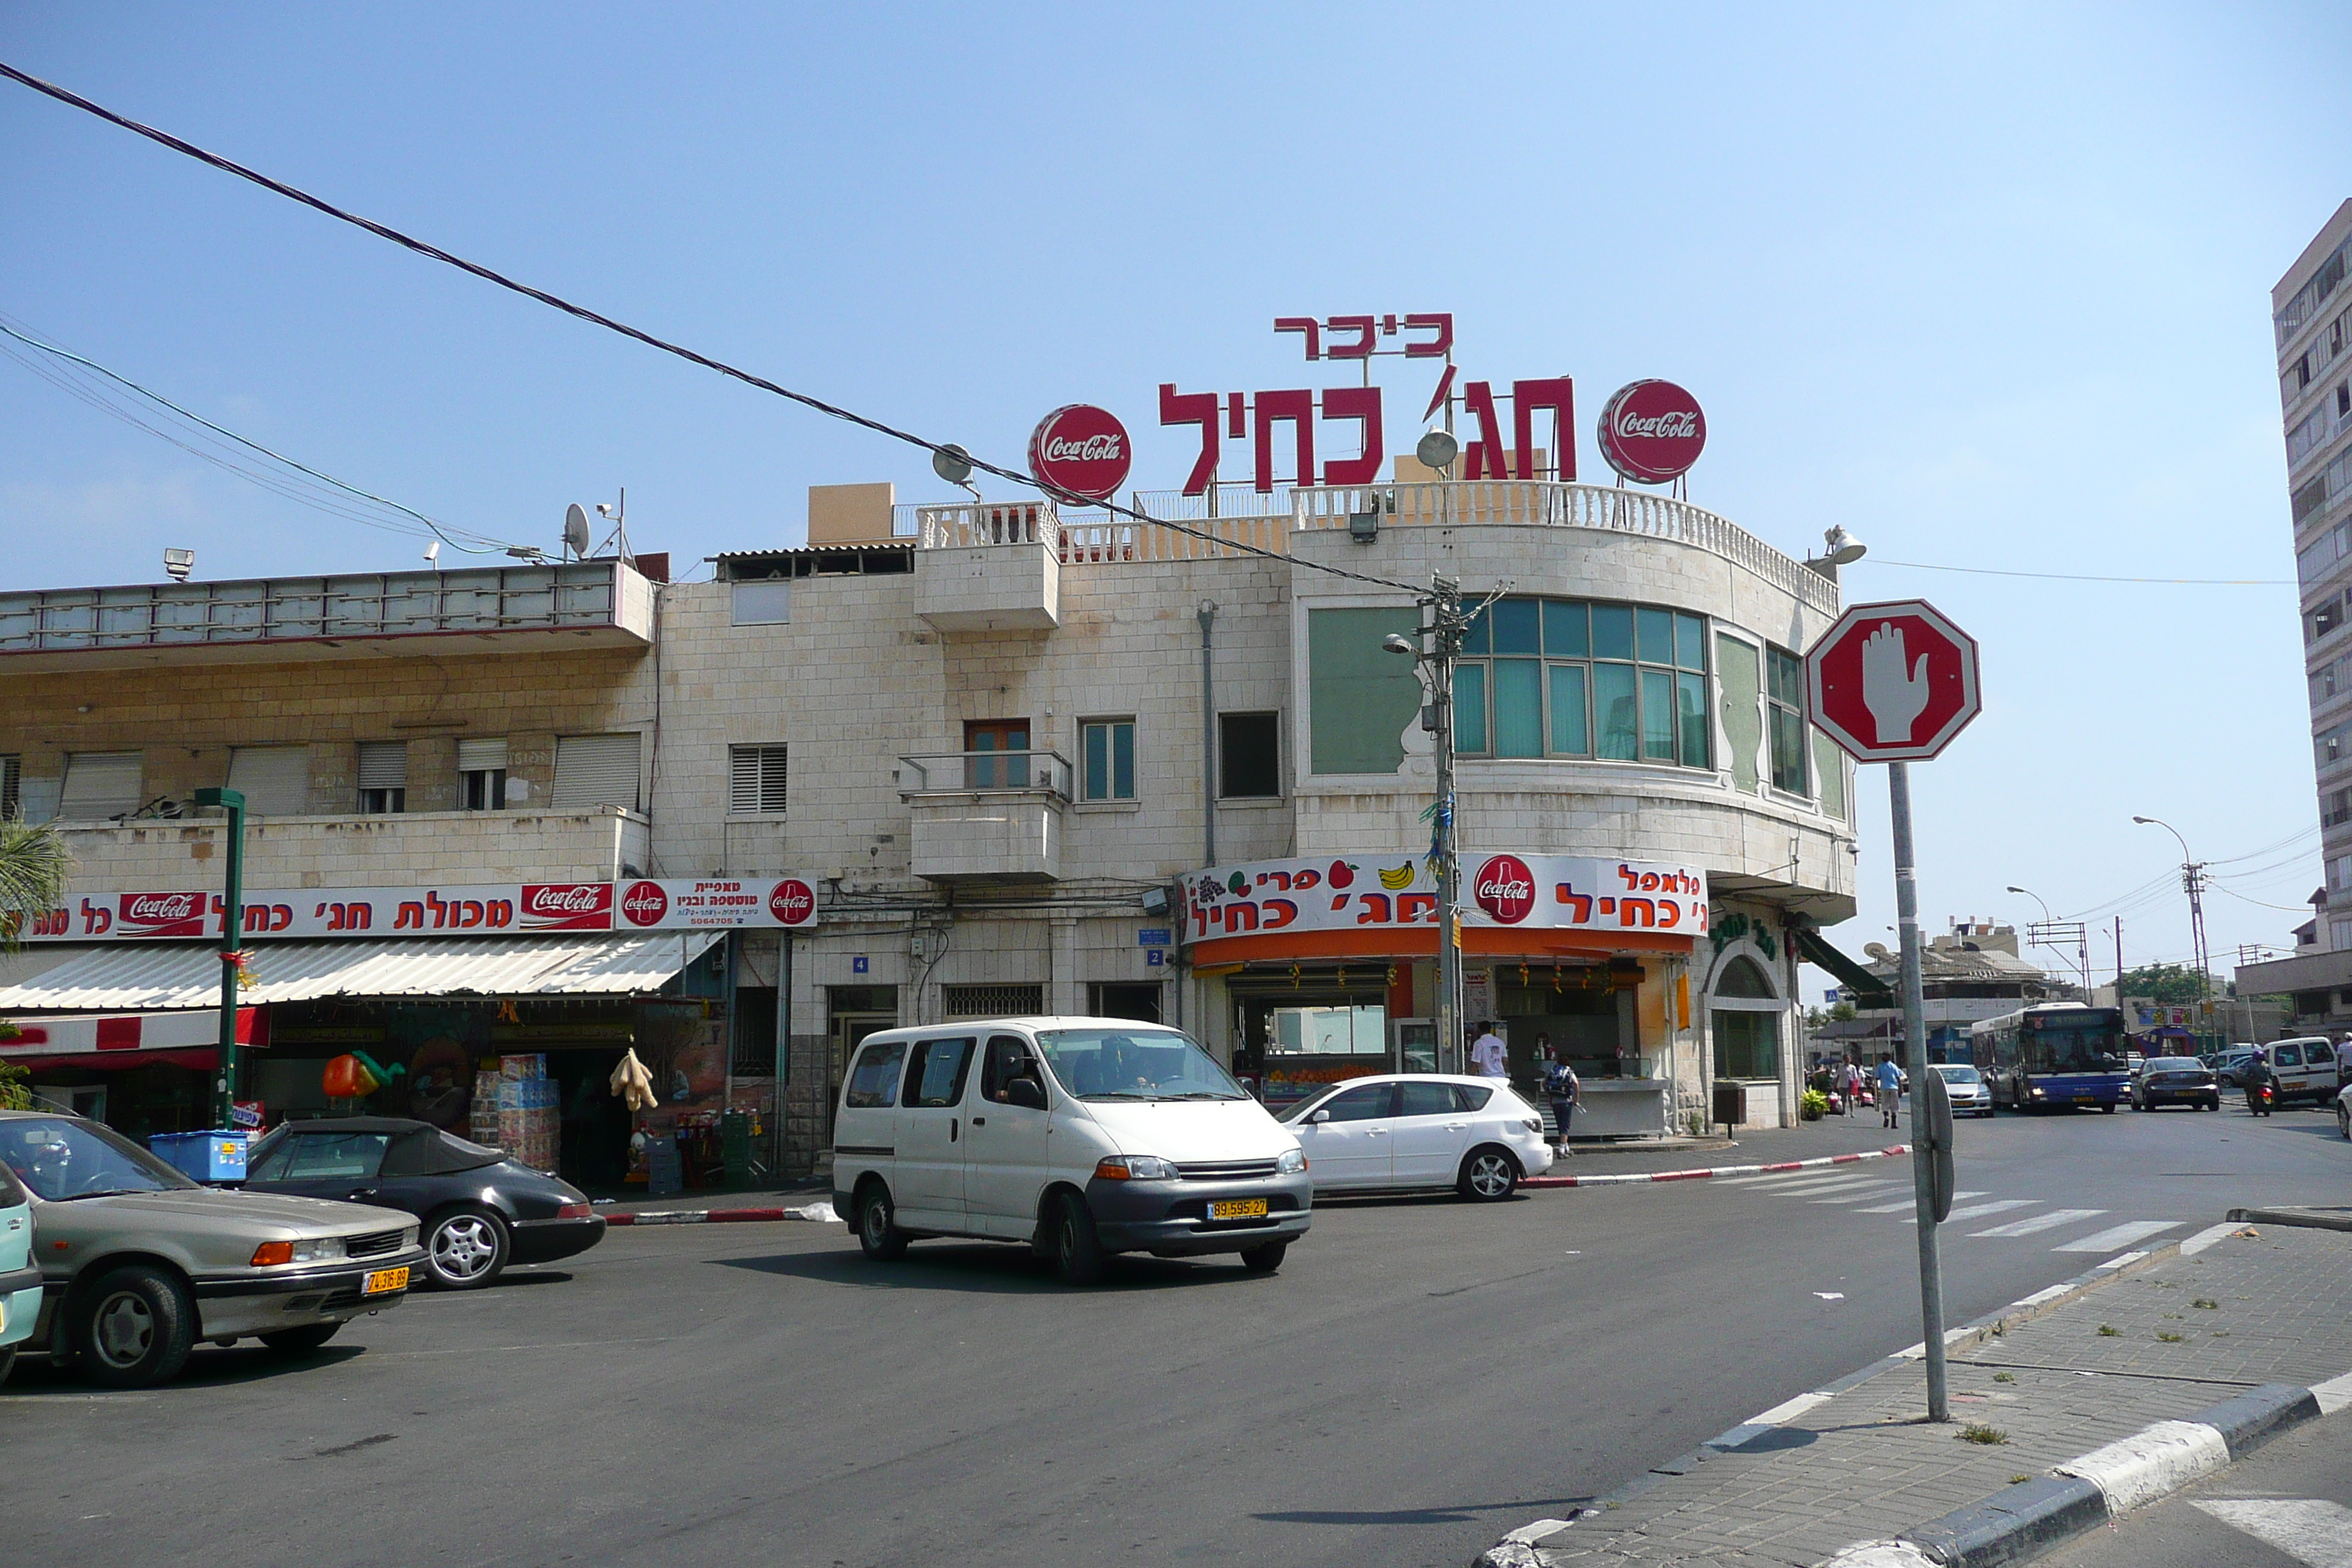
1208	618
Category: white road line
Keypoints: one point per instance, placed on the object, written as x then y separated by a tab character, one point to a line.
1864	1194
1977	1211
1907	1205
1830	1185
2050	1221
2333	1395
2206	1237
2309	1530
2123	1235
1771	1176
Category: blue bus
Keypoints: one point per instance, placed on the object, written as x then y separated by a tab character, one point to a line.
2055	1055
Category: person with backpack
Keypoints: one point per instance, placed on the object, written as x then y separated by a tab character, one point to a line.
1561	1087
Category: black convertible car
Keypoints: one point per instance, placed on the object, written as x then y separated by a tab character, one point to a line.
481	1210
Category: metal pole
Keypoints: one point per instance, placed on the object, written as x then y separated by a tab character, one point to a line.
232	801
783	1047
1914	1048
1208	618
1449	870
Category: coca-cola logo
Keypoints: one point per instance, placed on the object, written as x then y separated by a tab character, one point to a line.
644	903
1653	431
568	905
1506	888
1081	451
160	906
791	901
567	900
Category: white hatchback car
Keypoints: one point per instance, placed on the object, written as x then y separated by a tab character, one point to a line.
1965	1087
1420	1130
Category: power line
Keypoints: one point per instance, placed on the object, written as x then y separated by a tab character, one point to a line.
2072	576
554	301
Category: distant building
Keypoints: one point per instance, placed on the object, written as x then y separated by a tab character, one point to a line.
1970	973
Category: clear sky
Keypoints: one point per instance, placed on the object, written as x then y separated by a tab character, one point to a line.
1987	285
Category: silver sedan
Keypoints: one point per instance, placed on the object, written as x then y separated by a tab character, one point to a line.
138	1262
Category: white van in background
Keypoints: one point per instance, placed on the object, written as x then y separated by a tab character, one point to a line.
1076	1136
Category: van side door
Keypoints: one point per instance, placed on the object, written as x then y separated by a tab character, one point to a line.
1007	1146
929	1188
865	1130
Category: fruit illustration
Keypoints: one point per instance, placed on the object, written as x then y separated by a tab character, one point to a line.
1240	883
1342	874
1400	878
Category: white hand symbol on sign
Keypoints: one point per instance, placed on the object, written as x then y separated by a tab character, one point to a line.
1893	693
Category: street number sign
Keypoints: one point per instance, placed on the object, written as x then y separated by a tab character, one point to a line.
1893	682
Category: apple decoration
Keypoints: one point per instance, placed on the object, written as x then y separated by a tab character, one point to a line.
1342	874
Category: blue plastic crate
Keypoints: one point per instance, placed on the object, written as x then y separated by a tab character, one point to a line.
215	1156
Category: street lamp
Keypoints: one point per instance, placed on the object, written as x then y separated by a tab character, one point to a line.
2037	898
2193	879
231	802
1444	624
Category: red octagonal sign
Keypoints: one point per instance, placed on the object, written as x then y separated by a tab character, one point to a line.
1893	682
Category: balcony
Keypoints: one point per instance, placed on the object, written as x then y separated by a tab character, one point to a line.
553	607
402	849
986	816
989	567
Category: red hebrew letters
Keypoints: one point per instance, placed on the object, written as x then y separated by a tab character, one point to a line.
1193	408
1308	325
1362	404
1362	348
1437	347
1485	454
1558	394
1297	405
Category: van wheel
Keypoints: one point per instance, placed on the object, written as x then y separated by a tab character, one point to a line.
135	1327
1264	1259
1488	1176
1077	1250
877	1227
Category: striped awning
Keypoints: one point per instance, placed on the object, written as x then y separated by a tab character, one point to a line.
141	976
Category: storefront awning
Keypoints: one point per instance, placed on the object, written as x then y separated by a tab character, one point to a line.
83	1038
158	975
1866	990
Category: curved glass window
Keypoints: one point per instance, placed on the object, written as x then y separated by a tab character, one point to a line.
1577	677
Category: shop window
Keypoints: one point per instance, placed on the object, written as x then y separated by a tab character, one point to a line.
961	1002
1785	706
1746	979
1747	1045
1360	1030
756	781
874	1081
1570	677
12	785
1249	755
755	1031
1107	749
595	770
935	1073
100	784
482	774
383	777
1361	697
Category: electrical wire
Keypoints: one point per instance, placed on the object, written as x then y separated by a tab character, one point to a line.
2074	576
554	301
2291	909
493	548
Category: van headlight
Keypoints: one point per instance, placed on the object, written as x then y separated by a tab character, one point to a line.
1290	1162
1136	1168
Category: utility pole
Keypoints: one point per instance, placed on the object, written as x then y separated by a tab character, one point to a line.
232	936
1444	623
2192	882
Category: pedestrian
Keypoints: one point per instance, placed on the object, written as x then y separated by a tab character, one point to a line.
1561	1087
1853	1083
1489	1057
1890	1089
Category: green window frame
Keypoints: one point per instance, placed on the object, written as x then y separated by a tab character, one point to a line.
1784	701
1106	747
1585	679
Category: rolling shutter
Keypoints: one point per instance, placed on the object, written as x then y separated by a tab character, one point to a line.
384	764
274	780
757	781
476	756
595	770
99	785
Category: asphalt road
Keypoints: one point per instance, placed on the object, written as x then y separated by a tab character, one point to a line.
1421	1376
2284	1507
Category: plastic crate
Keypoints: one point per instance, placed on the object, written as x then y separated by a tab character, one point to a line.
215	1156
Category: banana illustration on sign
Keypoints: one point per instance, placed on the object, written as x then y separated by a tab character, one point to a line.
1400	878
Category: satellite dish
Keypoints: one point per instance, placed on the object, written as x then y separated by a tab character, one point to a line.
1437	450
575	529
952	463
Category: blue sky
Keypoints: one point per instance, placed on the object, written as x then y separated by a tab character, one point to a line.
1986	285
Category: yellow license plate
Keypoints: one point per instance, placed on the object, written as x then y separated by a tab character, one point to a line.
1237	1209
384	1280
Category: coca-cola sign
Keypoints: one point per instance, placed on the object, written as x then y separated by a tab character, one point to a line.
161	914
567	905
1506	888
644	904
1081	451
1653	431
793	902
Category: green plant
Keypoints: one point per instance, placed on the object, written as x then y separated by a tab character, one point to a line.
2208	1306
2109	1331
1977	1432
1813	1104
2004	1377
15	1088
2169	1337
34	866
2019	1480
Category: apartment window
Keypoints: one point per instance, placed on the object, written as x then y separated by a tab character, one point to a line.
764	603
958	1003
383	777
2324	617
12	783
1785	715
274	780
595	770
2335	808
1249	756
1360	697
2316	559
1106	747
2342	400
482	774
100	784
1571	678
2328	746
2339	873
756	779
2310	433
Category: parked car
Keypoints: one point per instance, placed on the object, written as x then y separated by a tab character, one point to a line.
2229	1067
481	1211
138	1262
2305	1069
2175	1080
1077	1137
1966	1087
1408	1131
20	1277
2344	1111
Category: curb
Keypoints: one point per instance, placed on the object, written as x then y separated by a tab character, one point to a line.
821	1213
2314	1218
1700	1175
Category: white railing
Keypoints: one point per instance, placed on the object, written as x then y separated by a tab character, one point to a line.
965	524
968	772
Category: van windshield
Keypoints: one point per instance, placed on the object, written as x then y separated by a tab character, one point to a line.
1134	1064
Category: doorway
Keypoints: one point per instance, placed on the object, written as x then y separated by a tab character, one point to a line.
983	740
1140	1002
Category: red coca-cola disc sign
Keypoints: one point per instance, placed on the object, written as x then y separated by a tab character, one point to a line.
1653	431
791	901
1081	451
644	903
1506	888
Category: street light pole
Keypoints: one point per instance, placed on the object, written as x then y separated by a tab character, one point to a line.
2192	882
1445	623
232	935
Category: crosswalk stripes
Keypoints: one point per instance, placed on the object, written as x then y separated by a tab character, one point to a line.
1884	1192
2120	1235
1907	1204
1977	1211
1875	1190
2040	1222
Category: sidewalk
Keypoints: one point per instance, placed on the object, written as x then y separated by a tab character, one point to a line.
766	1199
2162	1336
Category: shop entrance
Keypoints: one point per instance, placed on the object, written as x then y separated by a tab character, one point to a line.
1296	1033
1585	1010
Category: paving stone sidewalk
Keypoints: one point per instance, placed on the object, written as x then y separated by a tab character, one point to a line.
1866	1463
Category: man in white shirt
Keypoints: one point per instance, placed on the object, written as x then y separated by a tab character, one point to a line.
1489	1057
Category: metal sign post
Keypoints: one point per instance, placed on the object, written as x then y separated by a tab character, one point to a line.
1892	683
232	801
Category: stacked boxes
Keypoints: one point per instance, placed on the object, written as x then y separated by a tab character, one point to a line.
529	1111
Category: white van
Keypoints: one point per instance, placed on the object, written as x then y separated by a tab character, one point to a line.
1077	1136
2306	1069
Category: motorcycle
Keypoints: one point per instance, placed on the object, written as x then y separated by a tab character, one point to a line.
2258	1098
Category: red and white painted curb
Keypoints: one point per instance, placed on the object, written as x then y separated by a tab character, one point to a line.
1627	1181
821	1213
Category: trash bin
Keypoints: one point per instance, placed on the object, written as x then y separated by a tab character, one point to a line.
215	1156
1730	1104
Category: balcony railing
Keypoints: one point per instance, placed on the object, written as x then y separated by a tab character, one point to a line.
969	773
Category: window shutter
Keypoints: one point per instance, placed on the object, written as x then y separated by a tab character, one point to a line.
274	780
595	770
756	781
99	785
384	764
475	756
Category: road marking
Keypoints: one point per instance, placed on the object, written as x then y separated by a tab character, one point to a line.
2151	1462
2309	1530
2123	1235
2050	1221
1870	1194
1977	1211
1906	1205
1529	1534
2333	1395
1831	1184
1788	1410
2206	1237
